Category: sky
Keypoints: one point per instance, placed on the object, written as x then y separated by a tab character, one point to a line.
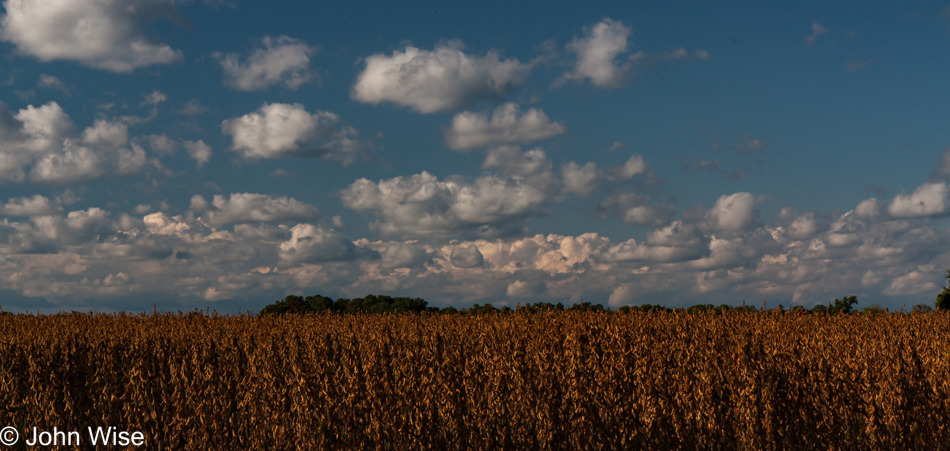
180	154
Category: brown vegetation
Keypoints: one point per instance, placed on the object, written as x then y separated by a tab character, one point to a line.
547	380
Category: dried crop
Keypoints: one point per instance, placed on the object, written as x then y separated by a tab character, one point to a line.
515	381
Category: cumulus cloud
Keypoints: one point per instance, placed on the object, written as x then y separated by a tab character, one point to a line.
89	254
584	179
423	206
43	128
599	55
914	282
929	199
32	132
632	167
474	130
198	151
491	205
103	35
868	208
442	79
637	209
102	148
523	288
467	257
314	244
279	130
603	56
241	208
162	144
75	163
404	255
282	60
674	243
731	213
43	141
35	205
154	98
581	180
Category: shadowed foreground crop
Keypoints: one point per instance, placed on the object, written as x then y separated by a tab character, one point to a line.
546	380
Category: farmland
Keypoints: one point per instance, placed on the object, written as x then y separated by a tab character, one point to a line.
545	380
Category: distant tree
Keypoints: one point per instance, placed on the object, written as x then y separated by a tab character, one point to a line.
922	308
943	299
370	303
844	305
586	307
319	303
290	304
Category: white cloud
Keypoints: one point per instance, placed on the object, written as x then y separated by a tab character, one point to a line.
637	209
676	242
914	282
34	205
162	144
159	223
473	130
279	130
467	257
101	149
733	212
155	97
51	82
803	227
28	135
491	205
521	288
128	161
599	55
88	254
868	208
314	244
928	199
603	56
816	30
581	180
45	127
242	208
74	164
44	140
442	79
424	207
105	35
106	134
282	60
198	151
404	255
632	167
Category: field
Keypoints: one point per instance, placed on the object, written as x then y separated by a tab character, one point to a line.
567	380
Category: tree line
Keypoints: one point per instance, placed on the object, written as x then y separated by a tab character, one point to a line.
371	303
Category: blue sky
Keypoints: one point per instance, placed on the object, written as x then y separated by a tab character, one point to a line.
224	154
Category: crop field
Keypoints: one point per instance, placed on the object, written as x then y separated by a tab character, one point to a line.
549	380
